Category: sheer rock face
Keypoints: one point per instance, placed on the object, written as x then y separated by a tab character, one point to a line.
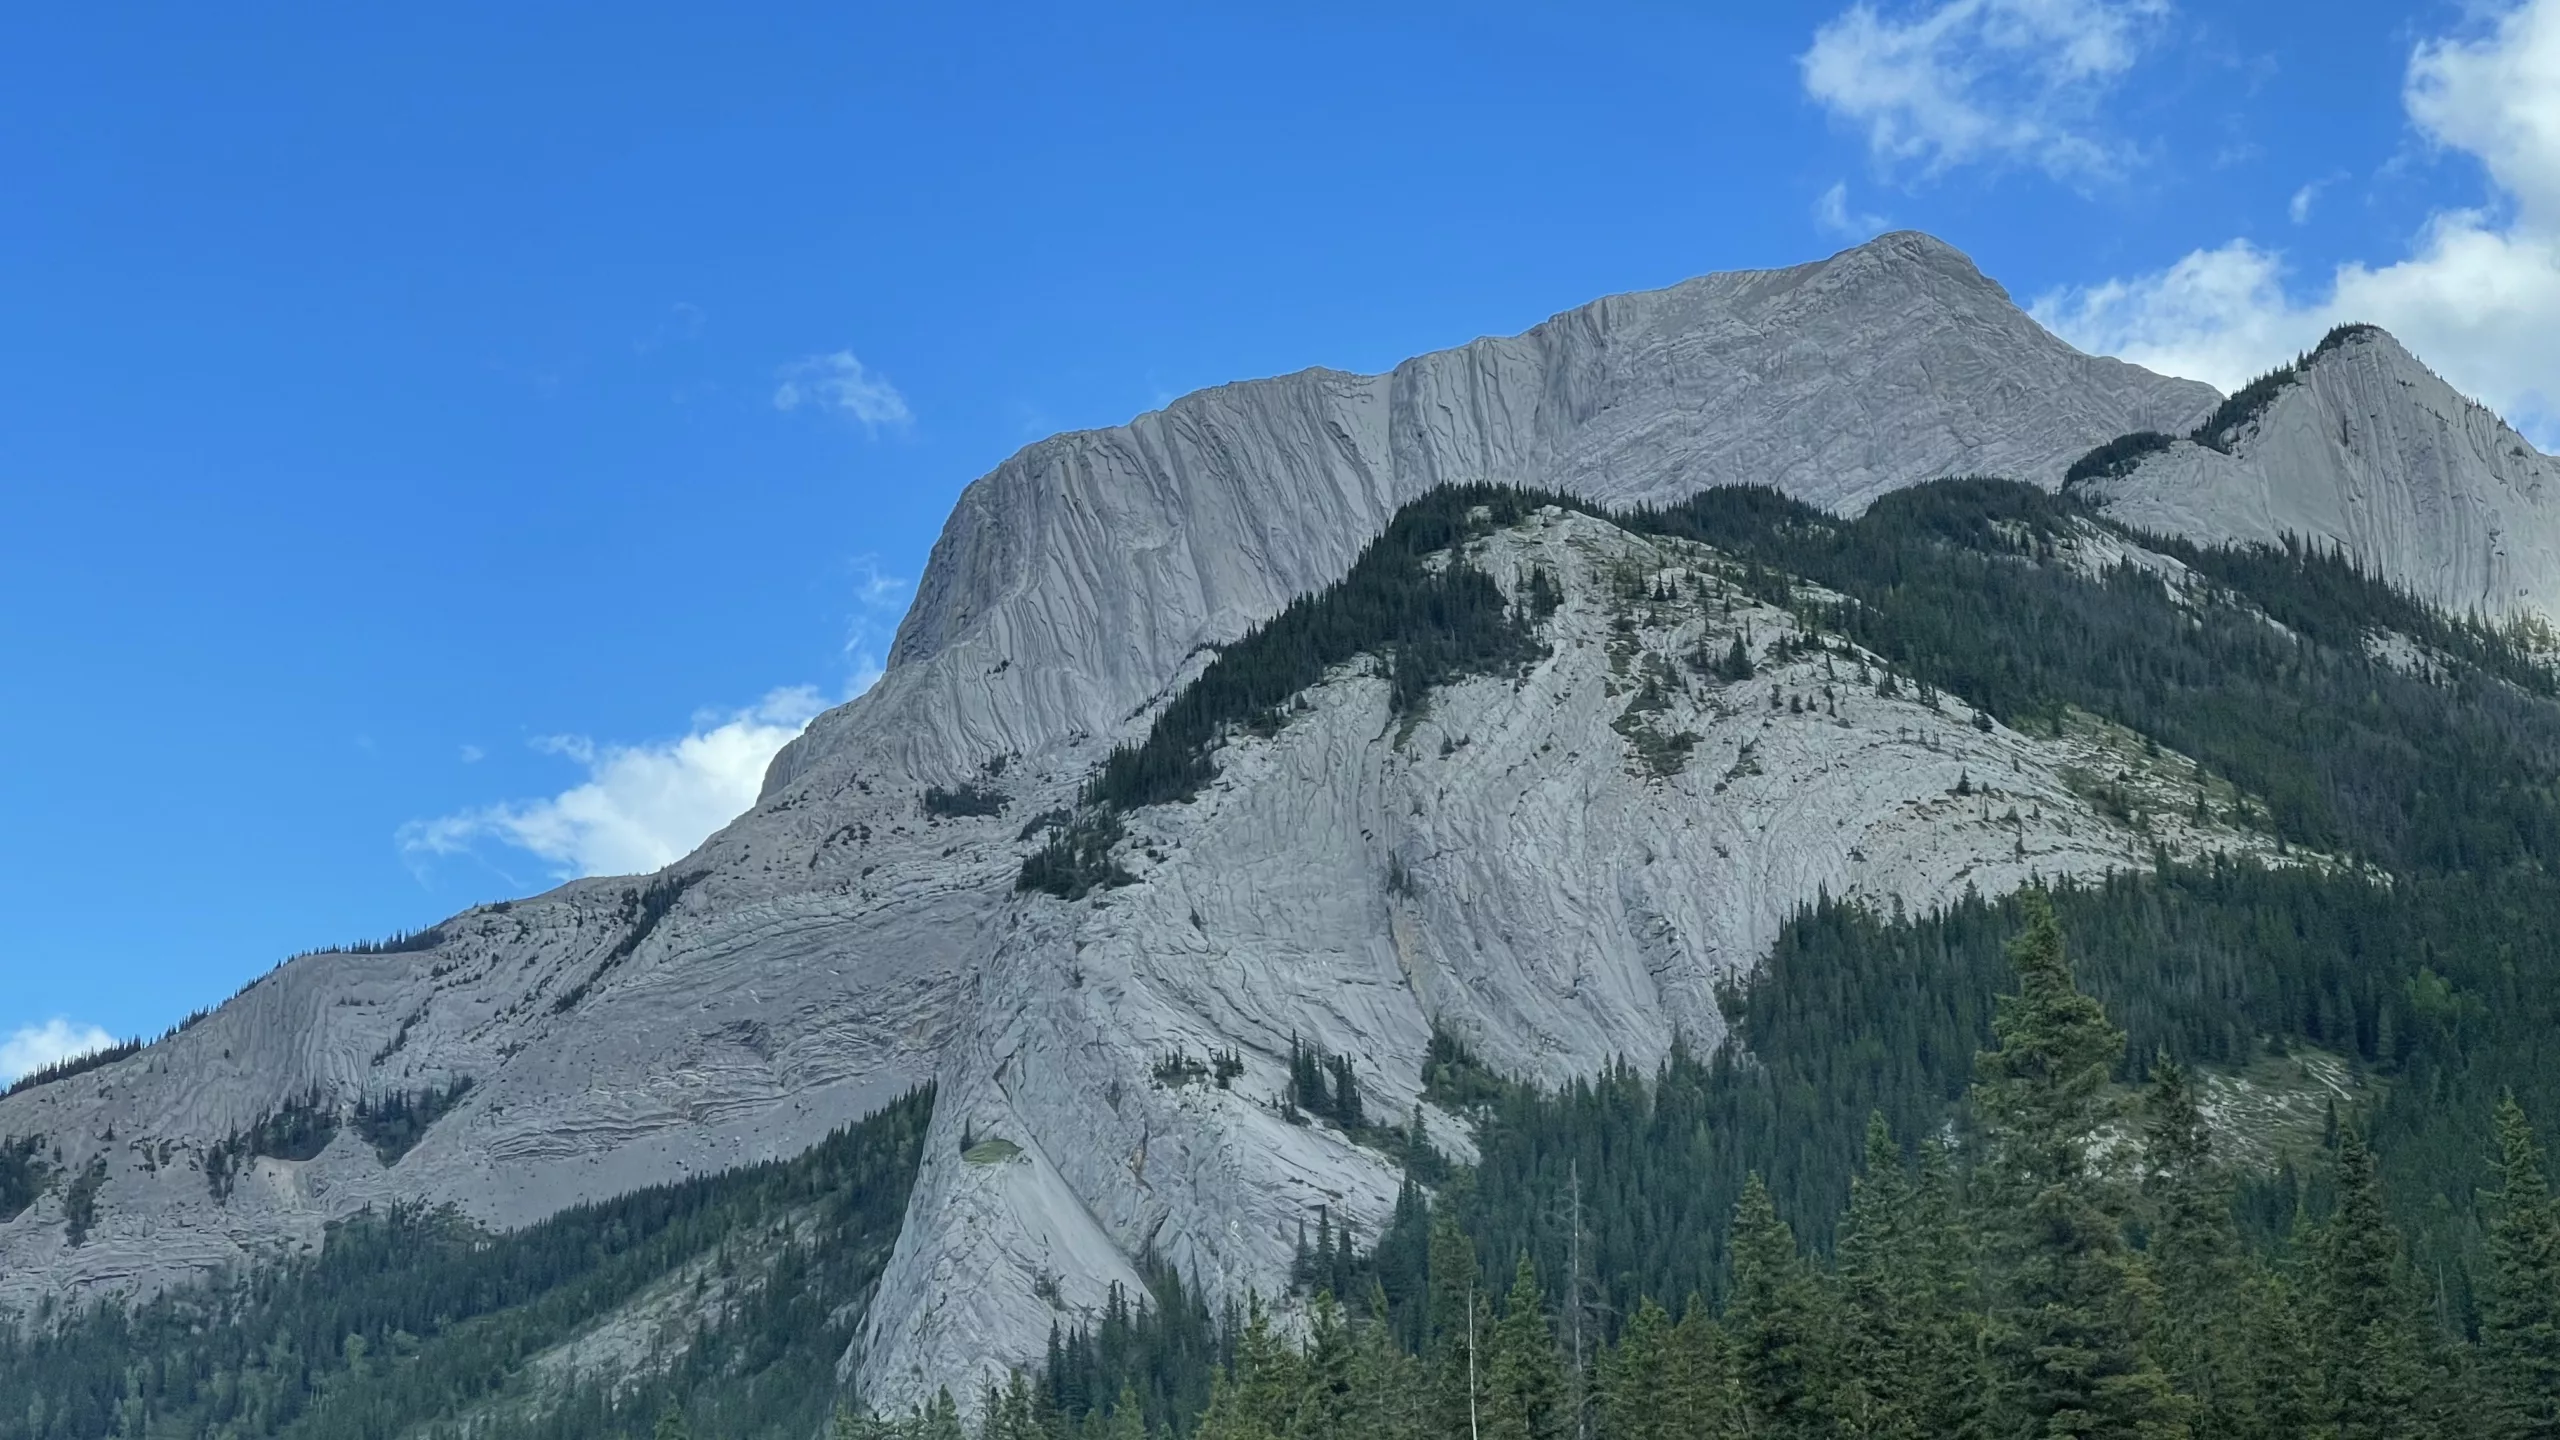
1073	582
2371	452
838	944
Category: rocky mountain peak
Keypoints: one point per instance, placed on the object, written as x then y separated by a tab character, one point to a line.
1074	582
2360	446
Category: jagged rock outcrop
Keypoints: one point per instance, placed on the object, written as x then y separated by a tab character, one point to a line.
2368	450
844	940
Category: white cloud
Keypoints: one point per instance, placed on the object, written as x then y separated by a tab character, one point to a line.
844	385
641	806
32	1047
2298	209
2477	296
1833	214
2497	97
2219	316
473	754
2011	81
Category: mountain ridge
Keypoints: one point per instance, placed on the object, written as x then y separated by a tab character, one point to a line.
843	943
2360	446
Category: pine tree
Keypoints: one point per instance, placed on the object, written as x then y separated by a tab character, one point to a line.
2520	1301
671	1425
1774	1321
1524	1381
2365	1315
2071	1296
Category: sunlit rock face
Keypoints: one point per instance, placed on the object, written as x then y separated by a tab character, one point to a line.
1512	865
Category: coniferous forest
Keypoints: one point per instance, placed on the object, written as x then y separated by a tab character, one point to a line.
2071	1261
1949	1176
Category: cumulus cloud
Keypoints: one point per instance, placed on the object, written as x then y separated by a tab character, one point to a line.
640	806
2478	293
1833	214
32	1047
842	385
2009	81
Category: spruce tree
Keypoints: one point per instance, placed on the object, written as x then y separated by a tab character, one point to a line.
1391	1400
2280	1367
1949	1327
2520	1301
1128	1418
1635	1375
2071	1296
1524	1381
1877	1379
1775	1322
2196	1257
1458	1328
1269	1376
1699	1378
1326	1404
2365	1313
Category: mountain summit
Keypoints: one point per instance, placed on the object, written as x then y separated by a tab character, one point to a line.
1560	826
2361	447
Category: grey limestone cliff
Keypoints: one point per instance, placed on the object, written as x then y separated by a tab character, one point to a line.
1564	901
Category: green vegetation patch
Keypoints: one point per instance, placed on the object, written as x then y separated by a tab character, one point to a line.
395	1123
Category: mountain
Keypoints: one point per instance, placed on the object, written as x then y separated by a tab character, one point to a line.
2361	447
1563	820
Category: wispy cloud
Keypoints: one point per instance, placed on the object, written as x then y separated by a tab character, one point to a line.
640	806
1832	213
1968	81
32	1047
879	600
841	384
2478	293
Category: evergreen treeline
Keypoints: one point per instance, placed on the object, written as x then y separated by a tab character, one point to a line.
1432	626
2116	458
2072	1265
416	1323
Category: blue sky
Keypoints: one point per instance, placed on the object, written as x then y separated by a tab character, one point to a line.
445	450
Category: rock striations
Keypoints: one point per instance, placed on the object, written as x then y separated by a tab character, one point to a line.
1541	862
2363	448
